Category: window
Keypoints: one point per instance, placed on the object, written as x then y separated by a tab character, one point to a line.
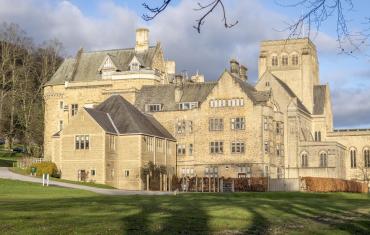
211	171
60	125
190	126
323	160
265	124
216	124
353	158
304	160
82	142
279	128
367	157
180	127
235	102
190	149
187	172
181	149
244	172
267	147
281	150
318	136
134	66
61	105
149	142
278	150
188	105
238	123
93	172
274	60
295	59
237	147
153	107
216	147
284	60
159	145
279	173
267	84
112	142
127	173
74	108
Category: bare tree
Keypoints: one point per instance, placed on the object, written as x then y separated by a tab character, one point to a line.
206	10
314	14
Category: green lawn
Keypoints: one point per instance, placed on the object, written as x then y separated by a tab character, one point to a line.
27	208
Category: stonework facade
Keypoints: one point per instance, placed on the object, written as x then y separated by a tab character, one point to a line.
281	128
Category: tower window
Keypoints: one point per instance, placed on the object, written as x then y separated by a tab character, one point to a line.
367	158
304	160
295	59
274	61
353	158
284	60
323	160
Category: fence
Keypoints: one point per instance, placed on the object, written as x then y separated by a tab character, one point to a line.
26	162
215	184
284	185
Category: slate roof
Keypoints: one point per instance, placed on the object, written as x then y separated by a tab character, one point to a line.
88	64
118	116
165	94
252	93
319	99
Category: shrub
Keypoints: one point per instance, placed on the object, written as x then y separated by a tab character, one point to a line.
46	168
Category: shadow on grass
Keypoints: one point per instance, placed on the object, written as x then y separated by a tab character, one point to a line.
244	213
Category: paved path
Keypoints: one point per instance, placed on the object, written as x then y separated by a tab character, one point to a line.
6	174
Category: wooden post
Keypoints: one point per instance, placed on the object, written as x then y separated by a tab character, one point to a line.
214	184
222	185
196	184
202	184
160	182
170	184
232	186
209	184
147	182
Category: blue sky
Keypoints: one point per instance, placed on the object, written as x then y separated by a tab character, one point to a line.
106	24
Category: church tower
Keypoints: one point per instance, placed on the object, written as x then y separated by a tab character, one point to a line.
293	61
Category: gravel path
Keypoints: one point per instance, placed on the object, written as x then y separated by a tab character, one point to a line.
6	174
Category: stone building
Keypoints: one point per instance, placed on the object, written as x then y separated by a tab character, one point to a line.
282	127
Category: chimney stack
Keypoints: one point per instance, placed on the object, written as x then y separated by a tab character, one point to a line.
142	40
243	73
234	67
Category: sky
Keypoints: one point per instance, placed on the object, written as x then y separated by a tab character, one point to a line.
110	24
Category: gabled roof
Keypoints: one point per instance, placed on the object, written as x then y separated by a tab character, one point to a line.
319	99
291	94
85	67
165	94
118	116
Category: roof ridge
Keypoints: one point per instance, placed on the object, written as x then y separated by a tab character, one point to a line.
114	125
116	49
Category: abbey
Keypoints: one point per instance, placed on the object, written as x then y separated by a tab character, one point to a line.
108	113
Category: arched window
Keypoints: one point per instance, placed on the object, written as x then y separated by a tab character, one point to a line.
284	60
323	160
274	60
304	160
295	59
367	157
353	157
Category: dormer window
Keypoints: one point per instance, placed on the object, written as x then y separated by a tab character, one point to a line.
284	60
188	105
274	60
153	107
135	66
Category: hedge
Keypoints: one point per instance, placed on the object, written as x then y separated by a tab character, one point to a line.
46	168
317	184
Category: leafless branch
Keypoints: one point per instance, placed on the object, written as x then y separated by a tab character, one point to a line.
207	9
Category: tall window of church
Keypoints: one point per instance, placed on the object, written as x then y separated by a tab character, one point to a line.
284	60
74	109
238	123
367	157
216	124
295	59
304	160
274	60
323	160
353	158
318	136
82	142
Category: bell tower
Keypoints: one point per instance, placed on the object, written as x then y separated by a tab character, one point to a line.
294	61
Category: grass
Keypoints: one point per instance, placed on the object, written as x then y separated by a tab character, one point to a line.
28	208
91	184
